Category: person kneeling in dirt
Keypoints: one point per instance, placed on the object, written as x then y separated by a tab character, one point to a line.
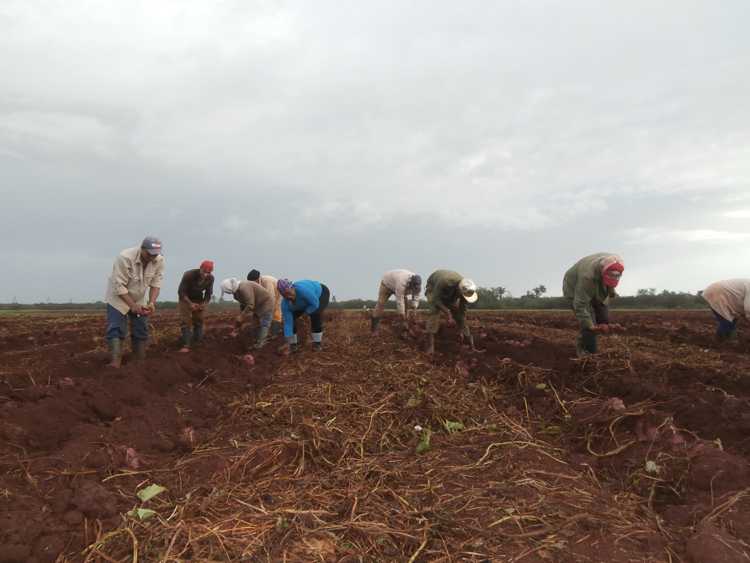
269	283
253	300
448	293
406	286
729	299
135	270
304	297
194	293
588	286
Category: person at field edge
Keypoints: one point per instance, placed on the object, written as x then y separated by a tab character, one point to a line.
448	293
135	271
729	300
194	293
303	297
269	283
254	300
588	286
406	286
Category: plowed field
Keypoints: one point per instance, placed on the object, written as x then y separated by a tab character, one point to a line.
371	450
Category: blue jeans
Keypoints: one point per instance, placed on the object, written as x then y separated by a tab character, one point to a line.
725	327
117	325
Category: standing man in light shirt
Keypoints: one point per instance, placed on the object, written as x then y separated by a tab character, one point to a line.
135	271
406	286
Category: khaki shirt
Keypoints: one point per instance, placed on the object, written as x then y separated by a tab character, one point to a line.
254	299
129	276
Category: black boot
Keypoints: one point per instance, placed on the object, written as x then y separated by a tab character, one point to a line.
186	336
197	333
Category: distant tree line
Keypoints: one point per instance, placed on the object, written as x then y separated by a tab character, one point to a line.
489	298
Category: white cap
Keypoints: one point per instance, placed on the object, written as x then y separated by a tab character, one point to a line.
468	290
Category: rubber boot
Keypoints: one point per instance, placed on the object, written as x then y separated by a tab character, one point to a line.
431	344
115	351
374	322
586	344
262	337
139	350
276	328
317	341
197	333
293	344
186	337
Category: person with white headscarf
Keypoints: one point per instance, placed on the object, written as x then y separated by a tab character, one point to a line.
588	286
254	299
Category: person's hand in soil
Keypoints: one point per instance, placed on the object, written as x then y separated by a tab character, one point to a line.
601	328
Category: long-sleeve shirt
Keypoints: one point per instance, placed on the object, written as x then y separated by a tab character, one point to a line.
583	284
729	298
397	281
306	301
129	275
195	287
253	298
442	287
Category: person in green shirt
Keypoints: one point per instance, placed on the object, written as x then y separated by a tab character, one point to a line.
448	293
588	286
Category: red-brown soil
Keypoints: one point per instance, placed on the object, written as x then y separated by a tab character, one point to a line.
639	453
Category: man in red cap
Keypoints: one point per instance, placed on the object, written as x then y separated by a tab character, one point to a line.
195	292
588	286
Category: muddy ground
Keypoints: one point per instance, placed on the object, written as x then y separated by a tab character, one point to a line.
371	451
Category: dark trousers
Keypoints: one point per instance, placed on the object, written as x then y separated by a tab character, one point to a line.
600	313
316	317
726	328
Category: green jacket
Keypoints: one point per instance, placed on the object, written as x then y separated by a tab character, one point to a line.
583	284
442	287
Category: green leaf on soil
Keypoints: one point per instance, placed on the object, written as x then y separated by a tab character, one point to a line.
453	426
150	492
424	443
142	513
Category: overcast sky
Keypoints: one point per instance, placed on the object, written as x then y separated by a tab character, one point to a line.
338	140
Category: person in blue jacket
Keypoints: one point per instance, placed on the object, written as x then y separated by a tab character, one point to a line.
304	297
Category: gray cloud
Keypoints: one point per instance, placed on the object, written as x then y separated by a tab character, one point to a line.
335	141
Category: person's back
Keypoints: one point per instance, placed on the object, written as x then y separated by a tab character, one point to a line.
253	295
729	298
588	268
